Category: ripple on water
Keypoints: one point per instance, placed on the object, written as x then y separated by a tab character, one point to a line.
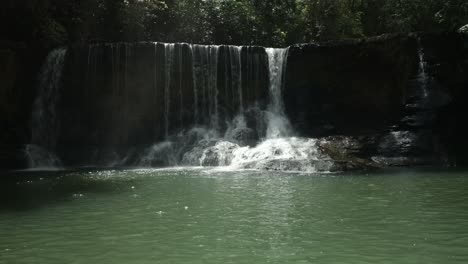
187	216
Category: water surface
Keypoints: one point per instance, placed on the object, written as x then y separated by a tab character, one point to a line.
209	216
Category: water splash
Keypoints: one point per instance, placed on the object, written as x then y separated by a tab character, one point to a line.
291	154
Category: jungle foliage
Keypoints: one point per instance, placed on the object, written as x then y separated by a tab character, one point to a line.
242	22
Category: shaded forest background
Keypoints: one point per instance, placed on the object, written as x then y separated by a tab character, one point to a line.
51	23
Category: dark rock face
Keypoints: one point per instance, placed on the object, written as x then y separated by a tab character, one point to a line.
18	68
447	59
349	87
372	93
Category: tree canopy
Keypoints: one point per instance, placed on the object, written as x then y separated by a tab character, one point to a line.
241	22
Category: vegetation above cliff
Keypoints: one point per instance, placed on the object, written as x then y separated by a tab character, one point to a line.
270	23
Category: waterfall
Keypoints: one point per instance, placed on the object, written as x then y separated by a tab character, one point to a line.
210	105
235	59
205	83
278	124
169	60
45	123
180	71
279	151
420	99
236	69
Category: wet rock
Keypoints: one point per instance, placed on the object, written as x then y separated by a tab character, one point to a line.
397	142
244	136
407	144
346	154
402	161
340	147
193	157
219	155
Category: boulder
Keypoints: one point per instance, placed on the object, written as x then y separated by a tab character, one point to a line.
244	136
219	155
194	156
346	154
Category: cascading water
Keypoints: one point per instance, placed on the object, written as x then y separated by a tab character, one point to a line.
205	78
235	53
278	124
208	104
207	119
278	151
45	124
203	146
420	98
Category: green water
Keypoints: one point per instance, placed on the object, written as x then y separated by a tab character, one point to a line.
194	216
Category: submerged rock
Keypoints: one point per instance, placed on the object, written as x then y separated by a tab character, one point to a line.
401	161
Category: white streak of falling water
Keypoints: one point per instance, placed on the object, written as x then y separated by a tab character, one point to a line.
235	53
44	123
193	52
214	53
205	78
239	59
155	82
278	124
169	59
181	82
